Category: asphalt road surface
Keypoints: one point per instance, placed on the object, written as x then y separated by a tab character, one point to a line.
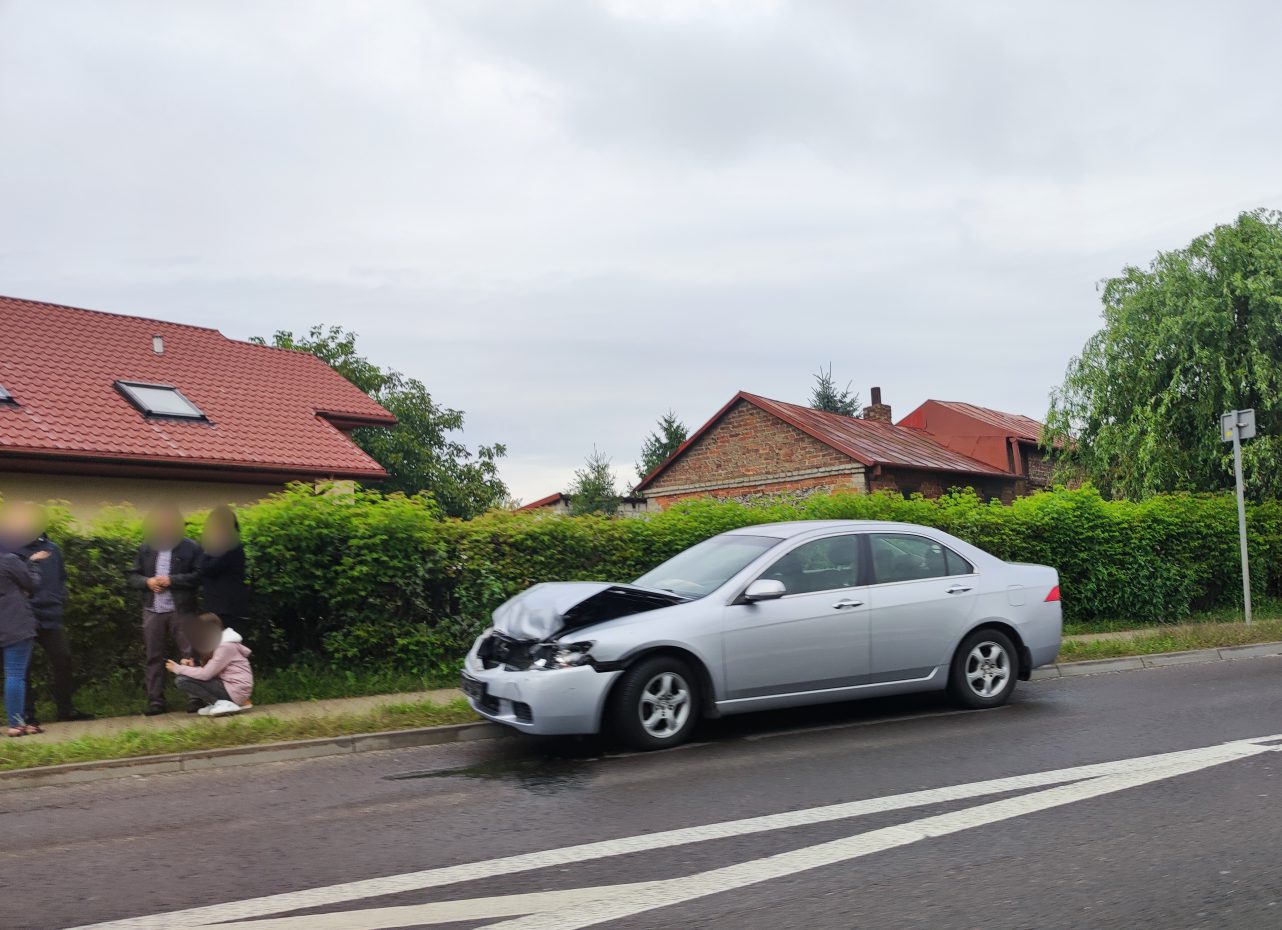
1144	799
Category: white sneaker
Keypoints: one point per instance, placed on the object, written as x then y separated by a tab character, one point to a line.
224	708
206	710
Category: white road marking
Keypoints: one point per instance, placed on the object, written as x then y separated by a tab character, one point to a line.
676	891
1087	781
443	912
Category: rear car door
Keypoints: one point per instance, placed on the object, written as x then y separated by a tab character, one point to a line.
815	637
921	597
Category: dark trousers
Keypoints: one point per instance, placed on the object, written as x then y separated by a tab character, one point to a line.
53	641
207	691
157	630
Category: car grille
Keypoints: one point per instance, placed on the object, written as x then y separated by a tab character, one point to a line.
498	650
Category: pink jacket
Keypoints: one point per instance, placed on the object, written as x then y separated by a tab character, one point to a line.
229	664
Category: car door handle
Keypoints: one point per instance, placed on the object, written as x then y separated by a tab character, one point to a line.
957	589
846	604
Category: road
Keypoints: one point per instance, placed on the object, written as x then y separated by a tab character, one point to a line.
890	814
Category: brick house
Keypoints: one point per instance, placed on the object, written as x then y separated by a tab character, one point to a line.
755	446
99	409
1007	441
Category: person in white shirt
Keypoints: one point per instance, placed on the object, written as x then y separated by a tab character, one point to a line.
167	572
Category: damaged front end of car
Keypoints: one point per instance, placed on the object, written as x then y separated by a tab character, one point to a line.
529	631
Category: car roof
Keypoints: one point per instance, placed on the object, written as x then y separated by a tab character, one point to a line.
800	527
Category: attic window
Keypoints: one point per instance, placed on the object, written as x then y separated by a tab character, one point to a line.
159	400
6	398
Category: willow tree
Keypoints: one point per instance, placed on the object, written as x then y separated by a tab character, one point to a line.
1197	333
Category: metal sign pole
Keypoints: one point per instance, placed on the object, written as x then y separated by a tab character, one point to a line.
1235	426
1241	521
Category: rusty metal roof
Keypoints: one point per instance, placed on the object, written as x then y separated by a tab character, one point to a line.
869	442
1014	425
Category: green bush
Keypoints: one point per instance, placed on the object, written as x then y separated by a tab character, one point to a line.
366	582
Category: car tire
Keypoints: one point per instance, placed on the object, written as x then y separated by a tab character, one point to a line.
655	705
984	670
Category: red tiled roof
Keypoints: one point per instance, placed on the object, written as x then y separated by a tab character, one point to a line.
1014	425
270	411
869	442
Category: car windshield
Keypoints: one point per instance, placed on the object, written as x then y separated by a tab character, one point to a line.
703	568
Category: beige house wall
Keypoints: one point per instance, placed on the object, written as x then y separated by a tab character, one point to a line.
87	496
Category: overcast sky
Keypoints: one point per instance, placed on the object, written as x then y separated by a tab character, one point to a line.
567	217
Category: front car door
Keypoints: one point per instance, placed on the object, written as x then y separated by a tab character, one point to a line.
813	638
922	595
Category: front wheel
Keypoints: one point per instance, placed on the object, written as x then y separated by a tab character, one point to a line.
984	670
655	704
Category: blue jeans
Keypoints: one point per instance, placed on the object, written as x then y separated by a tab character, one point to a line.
17	657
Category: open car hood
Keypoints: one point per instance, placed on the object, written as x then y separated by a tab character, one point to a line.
543	611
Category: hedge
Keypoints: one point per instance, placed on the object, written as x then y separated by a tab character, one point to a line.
363	580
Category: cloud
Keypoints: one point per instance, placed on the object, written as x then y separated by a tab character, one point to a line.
566	218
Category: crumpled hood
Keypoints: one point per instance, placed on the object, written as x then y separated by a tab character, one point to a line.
540	612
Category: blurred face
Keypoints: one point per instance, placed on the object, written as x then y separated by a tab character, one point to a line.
206	636
164	527
21	523
220	531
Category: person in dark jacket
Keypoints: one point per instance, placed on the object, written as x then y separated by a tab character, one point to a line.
222	568
19	579
48	604
167	572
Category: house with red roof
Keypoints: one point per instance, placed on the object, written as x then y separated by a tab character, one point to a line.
563	504
755	446
1008	441
99	409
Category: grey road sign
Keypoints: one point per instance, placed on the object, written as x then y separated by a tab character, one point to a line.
1244	420
1235	426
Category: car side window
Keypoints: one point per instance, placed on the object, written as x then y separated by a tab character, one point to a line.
821	565
956	564
902	557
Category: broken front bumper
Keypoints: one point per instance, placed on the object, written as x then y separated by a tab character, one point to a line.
542	702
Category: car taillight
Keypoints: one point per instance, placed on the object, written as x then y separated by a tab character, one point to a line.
1053	594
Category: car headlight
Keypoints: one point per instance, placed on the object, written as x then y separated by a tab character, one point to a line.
563	655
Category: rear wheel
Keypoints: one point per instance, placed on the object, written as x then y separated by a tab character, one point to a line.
984	670
655	704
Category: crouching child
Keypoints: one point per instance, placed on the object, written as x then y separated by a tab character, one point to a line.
225	681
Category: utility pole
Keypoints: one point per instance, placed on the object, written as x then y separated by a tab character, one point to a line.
1235	426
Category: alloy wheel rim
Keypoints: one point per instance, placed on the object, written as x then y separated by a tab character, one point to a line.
987	669
665	705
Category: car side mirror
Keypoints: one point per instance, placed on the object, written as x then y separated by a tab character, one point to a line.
764	589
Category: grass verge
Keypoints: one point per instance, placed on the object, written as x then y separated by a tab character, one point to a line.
1174	639
1266	608
251	730
239	731
123	694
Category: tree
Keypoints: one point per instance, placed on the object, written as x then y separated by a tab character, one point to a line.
1197	333
418	453
593	490
826	396
661	443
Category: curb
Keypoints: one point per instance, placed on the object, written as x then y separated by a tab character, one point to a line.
1156	660
204	759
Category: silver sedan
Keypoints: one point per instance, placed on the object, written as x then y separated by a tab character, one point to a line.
764	617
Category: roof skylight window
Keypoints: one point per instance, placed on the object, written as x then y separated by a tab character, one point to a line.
159	400
6	397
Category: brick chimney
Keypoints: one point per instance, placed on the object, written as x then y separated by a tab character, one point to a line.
877	410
